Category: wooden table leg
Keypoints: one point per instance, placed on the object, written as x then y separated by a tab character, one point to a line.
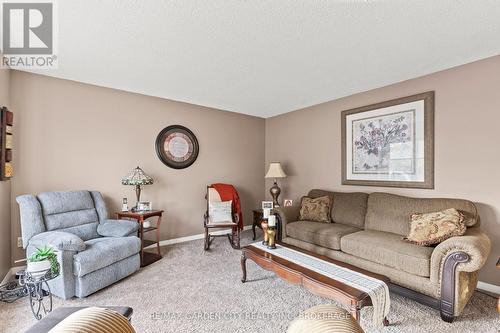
243	267
141	229
355	312
158	235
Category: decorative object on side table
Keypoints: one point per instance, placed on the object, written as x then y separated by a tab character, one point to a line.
267	205
275	171
288	202
265	226
6	139
258	217
125	205
141	217
137	178
271	232
177	147
390	143
144	206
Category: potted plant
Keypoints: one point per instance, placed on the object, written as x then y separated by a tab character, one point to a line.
41	261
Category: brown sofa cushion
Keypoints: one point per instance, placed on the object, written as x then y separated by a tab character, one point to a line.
388	249
348	207
323	234
390	212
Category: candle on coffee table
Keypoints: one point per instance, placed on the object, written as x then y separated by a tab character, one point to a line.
271	220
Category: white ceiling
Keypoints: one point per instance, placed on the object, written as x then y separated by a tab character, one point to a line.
263	57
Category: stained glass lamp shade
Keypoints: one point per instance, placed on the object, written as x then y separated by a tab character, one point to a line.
137	178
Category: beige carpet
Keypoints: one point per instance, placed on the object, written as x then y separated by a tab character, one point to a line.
190	290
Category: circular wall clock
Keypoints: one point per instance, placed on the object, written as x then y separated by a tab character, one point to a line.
177	147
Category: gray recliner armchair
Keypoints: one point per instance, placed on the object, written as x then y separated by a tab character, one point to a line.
93	251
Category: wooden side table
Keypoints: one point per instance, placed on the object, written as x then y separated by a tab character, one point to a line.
147	258
257	218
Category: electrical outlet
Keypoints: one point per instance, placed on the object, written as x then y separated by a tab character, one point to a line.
19	242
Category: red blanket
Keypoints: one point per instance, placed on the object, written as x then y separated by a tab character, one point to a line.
228	192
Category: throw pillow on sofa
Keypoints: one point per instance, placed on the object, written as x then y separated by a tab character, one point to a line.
317	209
433	228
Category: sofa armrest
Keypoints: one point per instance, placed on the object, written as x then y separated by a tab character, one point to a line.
286	215
58	240
31	216
117	228
474	243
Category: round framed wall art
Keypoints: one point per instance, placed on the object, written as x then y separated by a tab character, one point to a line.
177	147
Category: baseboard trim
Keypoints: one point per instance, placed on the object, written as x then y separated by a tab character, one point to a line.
491	288
193	237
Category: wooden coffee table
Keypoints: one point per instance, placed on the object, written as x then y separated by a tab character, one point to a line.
314	282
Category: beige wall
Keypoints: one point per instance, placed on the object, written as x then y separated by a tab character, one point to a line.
467	141
74	136
4	188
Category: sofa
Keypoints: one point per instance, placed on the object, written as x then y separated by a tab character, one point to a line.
367	231
92	250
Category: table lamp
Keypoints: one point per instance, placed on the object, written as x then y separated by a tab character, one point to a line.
137	178
275	171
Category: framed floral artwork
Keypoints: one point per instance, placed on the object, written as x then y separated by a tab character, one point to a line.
390	143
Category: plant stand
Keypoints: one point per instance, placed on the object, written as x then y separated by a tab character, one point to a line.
38	290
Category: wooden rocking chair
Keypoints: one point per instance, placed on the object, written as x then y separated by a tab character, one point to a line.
234	237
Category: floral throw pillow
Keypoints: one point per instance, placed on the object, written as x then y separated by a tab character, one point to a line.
317	209
433	228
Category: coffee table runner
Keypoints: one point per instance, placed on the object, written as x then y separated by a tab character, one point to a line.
376	289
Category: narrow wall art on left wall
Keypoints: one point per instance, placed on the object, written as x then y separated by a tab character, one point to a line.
6	138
